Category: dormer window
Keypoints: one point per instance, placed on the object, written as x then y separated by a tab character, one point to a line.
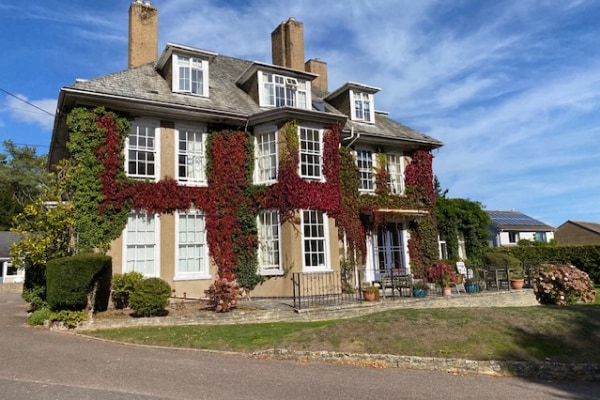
281	91
190	75
362	106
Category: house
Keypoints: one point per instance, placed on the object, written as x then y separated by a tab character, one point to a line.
8	274
199	209
578	233
508	227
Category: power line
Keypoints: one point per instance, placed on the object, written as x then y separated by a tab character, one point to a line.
26	102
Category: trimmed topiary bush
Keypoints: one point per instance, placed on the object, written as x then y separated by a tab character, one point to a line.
72	281
150	297
563	285
123	286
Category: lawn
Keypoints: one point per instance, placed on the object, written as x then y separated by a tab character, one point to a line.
562	334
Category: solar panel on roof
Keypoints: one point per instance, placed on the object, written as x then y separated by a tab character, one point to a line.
504	218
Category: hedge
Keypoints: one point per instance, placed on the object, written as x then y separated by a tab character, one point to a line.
586	258
69	281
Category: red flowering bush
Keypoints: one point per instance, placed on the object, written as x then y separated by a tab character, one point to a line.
223	294
563	285
442	273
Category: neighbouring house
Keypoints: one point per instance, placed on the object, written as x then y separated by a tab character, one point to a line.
508	227
578	233
232	165
8	273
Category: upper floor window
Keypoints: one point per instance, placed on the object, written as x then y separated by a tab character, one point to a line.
395	169
311	153
142	150
190	75
191	158
282	91
364	161
266	155
362	106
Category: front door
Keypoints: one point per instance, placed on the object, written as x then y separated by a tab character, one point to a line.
389	252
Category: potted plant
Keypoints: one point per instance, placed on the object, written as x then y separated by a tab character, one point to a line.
517	279
442	274
420	288
370	293
471	286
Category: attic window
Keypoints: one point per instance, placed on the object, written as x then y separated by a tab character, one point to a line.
190	75
362	106
282	91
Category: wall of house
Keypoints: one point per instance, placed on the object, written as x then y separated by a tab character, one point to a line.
522	235
573	235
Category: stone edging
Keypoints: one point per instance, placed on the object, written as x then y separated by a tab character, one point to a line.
538	370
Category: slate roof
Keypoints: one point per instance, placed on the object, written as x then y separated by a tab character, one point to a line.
6	239
517	221
145	86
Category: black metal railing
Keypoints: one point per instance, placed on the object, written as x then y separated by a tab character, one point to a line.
321	289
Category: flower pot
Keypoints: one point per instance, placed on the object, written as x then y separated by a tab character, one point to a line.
446	291
418	292
369	295
471	288
517	284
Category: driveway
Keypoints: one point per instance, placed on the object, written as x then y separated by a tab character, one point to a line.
42	364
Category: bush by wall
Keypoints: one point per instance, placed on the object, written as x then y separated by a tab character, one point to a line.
70	280
563	285
123	286
586	258
150	297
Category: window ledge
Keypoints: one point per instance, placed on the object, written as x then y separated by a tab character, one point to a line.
195	277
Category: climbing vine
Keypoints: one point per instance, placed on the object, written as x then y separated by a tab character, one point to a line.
230	201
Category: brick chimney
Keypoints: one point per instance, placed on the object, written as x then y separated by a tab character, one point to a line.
287	44
143	34
319	67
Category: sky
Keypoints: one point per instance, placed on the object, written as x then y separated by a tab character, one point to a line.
511	87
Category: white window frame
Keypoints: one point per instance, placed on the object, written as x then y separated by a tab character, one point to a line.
192	158
197	242
282	91
310	165
269	243
315	239
362	107
144	130
266	154
366	168
192	65
395	168
145	239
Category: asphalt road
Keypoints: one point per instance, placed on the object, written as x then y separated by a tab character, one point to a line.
41	364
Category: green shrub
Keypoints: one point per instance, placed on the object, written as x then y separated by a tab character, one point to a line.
34	286
70	319
71	281
563	285
150	297
39	316
122	287
500	259
36	297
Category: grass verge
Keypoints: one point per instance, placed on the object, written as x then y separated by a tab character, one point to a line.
562	334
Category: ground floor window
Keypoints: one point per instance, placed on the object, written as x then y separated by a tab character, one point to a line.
314	240
141	240
191	249
269	243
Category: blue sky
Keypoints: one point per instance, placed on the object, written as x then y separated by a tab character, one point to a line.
511	87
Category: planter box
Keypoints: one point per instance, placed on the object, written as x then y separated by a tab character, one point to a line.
419	292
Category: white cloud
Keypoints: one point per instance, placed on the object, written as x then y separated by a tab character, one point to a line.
20	111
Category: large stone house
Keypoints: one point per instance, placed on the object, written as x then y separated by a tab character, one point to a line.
188	100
